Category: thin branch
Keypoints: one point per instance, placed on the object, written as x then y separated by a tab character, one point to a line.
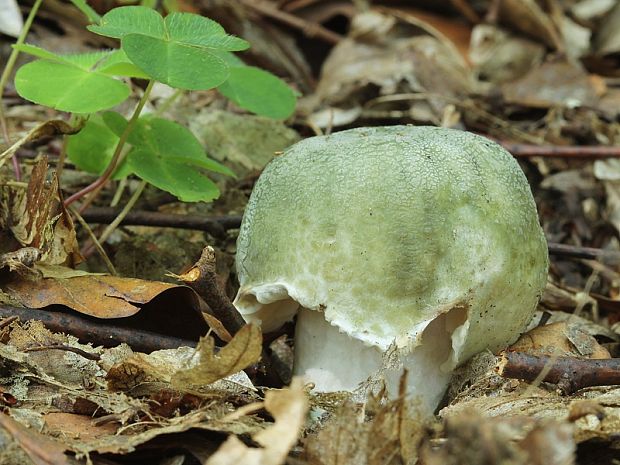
560	151
609	257
309	29
569	373
216	226
97	331
75	350
107	232
202	277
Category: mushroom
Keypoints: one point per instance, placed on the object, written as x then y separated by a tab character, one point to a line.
400	246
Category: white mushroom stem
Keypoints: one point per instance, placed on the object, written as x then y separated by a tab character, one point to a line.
334	361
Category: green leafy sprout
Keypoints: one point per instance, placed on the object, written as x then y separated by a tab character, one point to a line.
184	51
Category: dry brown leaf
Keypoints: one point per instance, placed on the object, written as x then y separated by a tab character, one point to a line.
374	433
607	39
36	217
48	128
40	449
22	261
501	57
527	16
561	339
514	440
243	350
99	296
387	55
559	83
76	426
288	407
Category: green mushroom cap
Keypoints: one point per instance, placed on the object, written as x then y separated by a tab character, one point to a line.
386	229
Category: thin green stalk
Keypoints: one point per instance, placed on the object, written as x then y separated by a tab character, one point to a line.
97	245
126	209
168	102
63	149
119	192
8	69
96	186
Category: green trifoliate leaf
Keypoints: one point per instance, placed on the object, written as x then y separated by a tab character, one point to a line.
92	148
180	179
259	91
191	29
68	87
124	20
117	64
38	52
178	65
169	158
180	50
163	153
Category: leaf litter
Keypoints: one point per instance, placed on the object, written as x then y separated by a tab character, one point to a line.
520	71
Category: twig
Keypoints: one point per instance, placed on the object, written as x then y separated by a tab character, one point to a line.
110	228
202	278
75	350
609	257
466	10
309	29
560	151
97	331
7	321
569	373
216	226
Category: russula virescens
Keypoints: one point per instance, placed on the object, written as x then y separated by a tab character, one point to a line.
419	243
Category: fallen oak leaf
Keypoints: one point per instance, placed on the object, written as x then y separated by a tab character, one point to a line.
39	448
242	351
94	295
150	306
288	407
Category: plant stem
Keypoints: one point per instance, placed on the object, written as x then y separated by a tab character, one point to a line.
121	216
96	186
63	149
168	102
96	244
8	69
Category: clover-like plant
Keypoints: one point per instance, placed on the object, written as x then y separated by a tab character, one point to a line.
183	50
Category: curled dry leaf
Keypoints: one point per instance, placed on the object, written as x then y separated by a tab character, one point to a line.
288	407
559	83
99	296
528	17
243	350
410	56
499	57
36	218
560	339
